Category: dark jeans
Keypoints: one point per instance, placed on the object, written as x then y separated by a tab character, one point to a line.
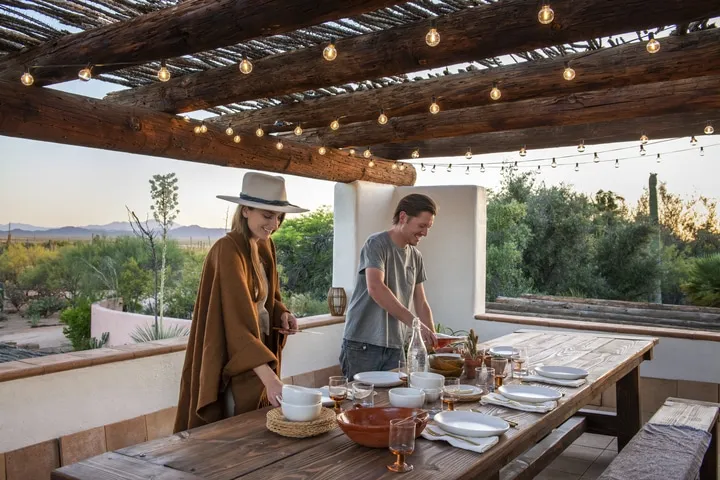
356	357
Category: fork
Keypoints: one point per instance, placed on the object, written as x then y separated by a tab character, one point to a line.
446	434
510	422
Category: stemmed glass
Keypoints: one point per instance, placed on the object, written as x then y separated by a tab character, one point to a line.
337	388
450	392
402	443
520	362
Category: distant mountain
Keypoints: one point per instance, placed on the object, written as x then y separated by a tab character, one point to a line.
196	231
21	226
114	229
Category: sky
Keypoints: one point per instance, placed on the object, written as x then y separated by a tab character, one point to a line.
52	185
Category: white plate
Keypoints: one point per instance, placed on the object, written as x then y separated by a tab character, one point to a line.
379	379
529	394
471	424
469	391
501	351
561	373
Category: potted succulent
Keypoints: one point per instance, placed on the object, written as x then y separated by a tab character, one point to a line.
473	356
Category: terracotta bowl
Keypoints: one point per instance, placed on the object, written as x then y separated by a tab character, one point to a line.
370	427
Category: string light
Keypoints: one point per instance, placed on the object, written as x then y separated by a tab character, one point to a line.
229	130
515	167
693	140
467	170
422	167
197	130
186	119
236	139
642	150
546	14
352	152
279	145
402	167
259	131
367	153
702	151
395	165
523	151
581	147
382	118
27	78
330	52
577	167
415	153
617	163
163	74
468	154
495	93
298	130
568	73
554	163
322	150
482	168
371	163
245	66
449	169
653	46
537	172
434	107
658	158
709	130
643	139
85	74
433	169
432	38
596	158
335	124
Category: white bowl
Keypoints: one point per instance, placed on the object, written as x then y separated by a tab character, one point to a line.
407	397
296	395
426	380
300	413
432	394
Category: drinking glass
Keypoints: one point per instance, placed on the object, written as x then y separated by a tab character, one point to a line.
520	362
363	395
403	372
450	393
485	379
499	365
402	443
337	387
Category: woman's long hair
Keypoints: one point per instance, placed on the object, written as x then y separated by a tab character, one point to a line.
240	225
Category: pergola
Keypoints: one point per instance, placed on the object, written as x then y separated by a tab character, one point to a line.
591	73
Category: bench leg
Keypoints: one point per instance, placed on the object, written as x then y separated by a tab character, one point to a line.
709	468
629	418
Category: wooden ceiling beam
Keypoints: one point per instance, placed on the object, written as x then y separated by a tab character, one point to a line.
481	32
686	56
610	131
53	116
660	98
190	27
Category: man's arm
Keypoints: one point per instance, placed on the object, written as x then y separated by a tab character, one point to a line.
422	307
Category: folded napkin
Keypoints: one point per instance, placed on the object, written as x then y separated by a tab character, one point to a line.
553	381
497	399
474	444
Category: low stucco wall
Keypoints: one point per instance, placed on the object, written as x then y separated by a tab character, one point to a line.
122	324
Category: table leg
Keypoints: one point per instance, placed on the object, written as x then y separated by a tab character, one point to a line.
629	417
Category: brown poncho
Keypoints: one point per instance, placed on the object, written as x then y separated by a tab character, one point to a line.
225	342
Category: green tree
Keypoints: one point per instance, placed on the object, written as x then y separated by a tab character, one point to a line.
507	237
164	192
703	284
133	285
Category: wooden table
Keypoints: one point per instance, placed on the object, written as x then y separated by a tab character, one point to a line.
241	447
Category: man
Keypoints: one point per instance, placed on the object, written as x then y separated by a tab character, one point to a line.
390	278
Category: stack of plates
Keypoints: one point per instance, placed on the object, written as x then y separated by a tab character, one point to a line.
471	424
561	373
529	394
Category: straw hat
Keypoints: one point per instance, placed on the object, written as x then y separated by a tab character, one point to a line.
263	191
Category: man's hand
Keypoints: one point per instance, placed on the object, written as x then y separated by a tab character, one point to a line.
289	323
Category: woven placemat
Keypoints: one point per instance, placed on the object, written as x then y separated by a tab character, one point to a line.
282	426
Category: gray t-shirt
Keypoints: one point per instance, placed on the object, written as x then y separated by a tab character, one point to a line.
365	320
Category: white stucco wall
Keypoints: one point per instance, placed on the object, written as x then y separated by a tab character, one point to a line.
122	324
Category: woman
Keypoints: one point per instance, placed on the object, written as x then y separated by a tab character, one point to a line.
239	322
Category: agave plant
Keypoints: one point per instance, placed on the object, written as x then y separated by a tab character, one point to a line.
703	285
471	344
149	332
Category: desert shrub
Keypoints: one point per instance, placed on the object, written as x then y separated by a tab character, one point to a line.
703	283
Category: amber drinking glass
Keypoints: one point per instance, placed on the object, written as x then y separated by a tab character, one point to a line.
499	365
337	387
402	443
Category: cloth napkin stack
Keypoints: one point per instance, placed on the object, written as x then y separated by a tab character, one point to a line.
497	399
553	381
474	444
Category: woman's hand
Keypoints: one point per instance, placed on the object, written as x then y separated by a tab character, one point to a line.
289	323
274	390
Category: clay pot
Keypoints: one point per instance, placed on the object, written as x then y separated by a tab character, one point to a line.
370	427
470	365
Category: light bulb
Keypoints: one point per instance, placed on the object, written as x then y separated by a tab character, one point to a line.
335	124
467	170
322	150
236	139
434	107
642	150
85	74
197	130
617	163
596	159
653	46
371	163
702	151
203	127
422	167
352	152
163	74
643	139
515	167
553	164
416	154
581	147
402	167
382	118
523	151
482	168
259	132
693	140
468	154
245	66
298	130
367	153
394	166
433	169
537	172
546	14
186	118
330	52
27	79
495	93
279	145
658	158
709	130
432	38
449	169
229	131
568	73
577	167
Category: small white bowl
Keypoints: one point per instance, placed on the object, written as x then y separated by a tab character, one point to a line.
432	394
300	413
296	395
426	380
407	397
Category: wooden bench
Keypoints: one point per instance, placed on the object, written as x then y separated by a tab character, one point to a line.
675	412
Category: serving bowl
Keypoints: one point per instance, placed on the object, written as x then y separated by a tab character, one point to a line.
370	427
446	364
406	397
300	413
424	380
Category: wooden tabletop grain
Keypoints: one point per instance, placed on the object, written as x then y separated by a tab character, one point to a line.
241	447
